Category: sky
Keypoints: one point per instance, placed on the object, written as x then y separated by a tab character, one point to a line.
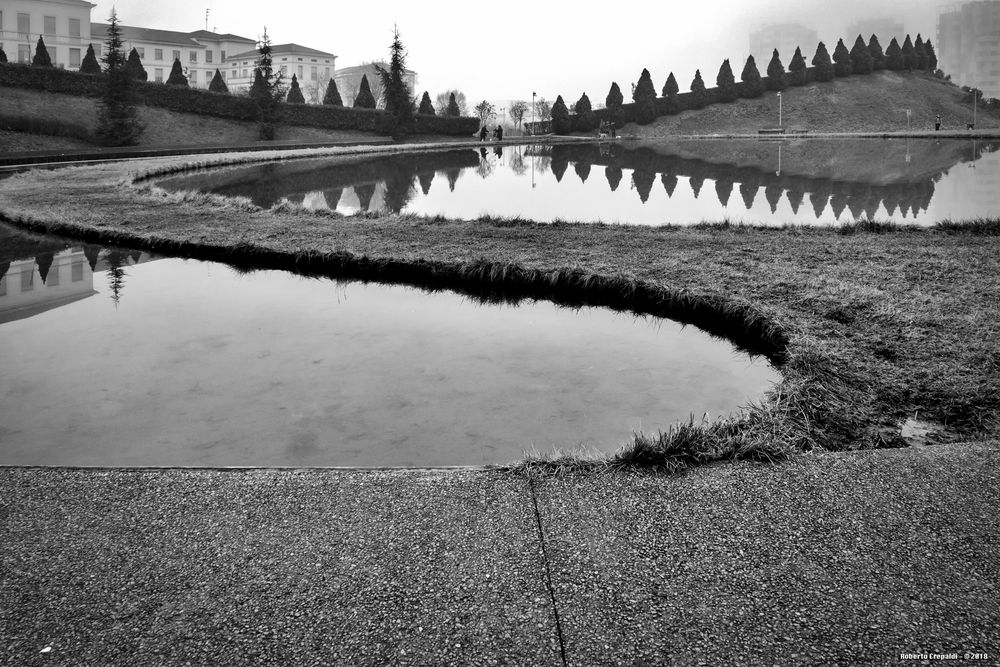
504	51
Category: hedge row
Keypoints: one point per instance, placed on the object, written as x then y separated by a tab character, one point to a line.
204	102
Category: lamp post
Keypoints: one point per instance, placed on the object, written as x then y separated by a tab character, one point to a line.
533	116
779	109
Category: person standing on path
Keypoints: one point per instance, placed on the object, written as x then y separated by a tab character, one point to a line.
499	133
482	134
937	123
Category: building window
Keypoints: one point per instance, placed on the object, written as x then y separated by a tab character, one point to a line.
52	280
158	54
326	72
193	76
300	71
193	56
74	27
74	57
313	60
244	74
223	75
141	50
177	55
236	74
222	58
208	56
24	26
158	75
299	59
23	53
284	59
313	72
76	274
49	24
27	279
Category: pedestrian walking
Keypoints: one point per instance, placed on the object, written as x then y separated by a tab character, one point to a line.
482	133
499	133
937	123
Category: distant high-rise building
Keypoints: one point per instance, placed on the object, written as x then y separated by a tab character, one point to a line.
885	29
782	36
968	44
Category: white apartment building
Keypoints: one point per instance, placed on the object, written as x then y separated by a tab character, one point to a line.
64	26
311	67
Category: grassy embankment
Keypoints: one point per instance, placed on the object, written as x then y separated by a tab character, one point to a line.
868	323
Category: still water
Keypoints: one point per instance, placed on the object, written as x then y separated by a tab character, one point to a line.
113	357
805	181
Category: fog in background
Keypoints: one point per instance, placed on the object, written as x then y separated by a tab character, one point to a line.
500	51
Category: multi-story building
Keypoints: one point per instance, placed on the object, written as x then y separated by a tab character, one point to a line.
312	68
885	29
64	26
782	36
968	44
349	81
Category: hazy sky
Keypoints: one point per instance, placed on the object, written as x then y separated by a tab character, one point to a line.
506	50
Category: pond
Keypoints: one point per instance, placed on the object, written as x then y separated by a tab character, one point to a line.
114	357
802	181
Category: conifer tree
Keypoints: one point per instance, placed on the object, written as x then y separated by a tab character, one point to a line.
776	73
909	57
824	66
842	65
932	61
920	54
752	85
797	69
295	93
218	84
878	57
177	77
426	106
134	68
117	121
613	102
586	119
364	98
395	91
644	97
266	90
698	91
670	88
332	96
90	64
41	58
3	54
725	80
861	58
453	109
894	56
560	117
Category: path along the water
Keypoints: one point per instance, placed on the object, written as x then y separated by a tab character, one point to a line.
829	559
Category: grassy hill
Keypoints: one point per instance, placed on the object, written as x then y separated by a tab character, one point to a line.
873	103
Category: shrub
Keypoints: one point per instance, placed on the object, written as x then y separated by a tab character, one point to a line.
453	109
644	97
861	58
776	73
218	84
90	64
670	88
332	96
177	77
894	56
752	85
842	65
824	66
134	68
932	61
426	106
295	93
909	57
560	117
364	99
875	49
41	58
726	82
797	69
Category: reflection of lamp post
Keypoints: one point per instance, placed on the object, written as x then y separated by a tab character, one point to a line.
779	120
778	173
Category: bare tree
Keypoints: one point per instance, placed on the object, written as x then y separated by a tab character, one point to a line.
543	108
485	111
315	90
517	110
441	102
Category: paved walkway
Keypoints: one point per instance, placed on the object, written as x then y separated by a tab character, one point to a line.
831	559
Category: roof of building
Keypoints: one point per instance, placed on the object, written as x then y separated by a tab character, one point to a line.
134	34
277	49
229	37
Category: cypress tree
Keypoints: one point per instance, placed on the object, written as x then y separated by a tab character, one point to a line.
878	57
842	65
3	54
453	109
644	97
776	73
824	66
426	106
177	77
117	123
560	117
218	84
909	57
90	64
364	99
134	68
670	88
920	53
797	69
932	61
698	91
861	58
613	102
726	82
395	91
41	58
752	85
894	56
332	96
583	105
295	93
586	118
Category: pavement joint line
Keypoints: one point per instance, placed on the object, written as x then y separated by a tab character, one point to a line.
548	571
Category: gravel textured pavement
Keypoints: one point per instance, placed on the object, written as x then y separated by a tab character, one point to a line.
827	559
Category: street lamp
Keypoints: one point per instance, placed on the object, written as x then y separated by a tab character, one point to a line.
533	115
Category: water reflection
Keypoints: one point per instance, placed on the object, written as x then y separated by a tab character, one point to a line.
908	181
